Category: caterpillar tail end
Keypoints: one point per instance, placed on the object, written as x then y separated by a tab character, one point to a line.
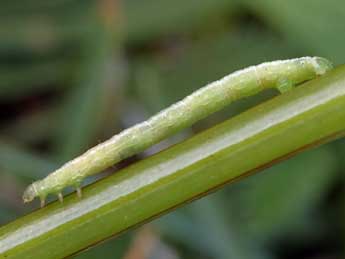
322	65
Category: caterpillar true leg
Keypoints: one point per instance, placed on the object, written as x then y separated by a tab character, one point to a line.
43	202
60	197
79	193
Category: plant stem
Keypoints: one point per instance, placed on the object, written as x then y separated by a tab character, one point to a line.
268	133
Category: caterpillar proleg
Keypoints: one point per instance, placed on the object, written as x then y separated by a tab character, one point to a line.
282	75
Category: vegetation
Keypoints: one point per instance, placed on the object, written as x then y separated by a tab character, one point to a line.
74	72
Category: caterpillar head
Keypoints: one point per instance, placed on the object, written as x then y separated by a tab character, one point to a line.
30	193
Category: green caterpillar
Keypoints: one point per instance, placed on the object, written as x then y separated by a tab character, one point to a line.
282	75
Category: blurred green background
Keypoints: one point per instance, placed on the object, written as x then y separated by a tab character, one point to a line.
74	72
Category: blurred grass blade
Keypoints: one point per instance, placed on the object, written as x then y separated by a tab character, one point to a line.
224	238
308	28
177	16
22	162
310	115
87	106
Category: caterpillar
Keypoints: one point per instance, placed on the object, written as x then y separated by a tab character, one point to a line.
282	75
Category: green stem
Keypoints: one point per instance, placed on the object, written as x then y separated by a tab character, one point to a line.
260	137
